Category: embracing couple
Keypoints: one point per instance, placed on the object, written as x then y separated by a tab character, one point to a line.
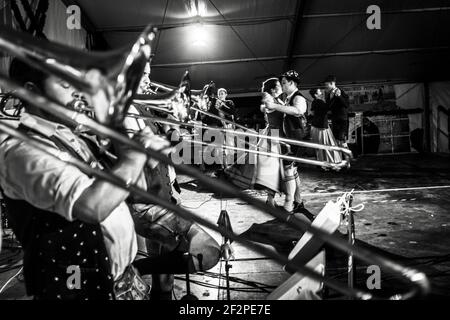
284	108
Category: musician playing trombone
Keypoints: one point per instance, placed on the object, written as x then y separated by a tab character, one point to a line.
167	243
227	111
70	224
225	106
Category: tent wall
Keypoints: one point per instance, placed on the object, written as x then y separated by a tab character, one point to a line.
439	96
56	27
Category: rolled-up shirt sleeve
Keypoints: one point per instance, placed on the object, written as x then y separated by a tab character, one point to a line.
300	104
40	179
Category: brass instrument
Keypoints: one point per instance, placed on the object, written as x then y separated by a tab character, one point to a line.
115	75
10	109
253	148
198	98
124	83
175	102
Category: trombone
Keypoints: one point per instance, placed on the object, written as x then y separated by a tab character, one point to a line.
145	101
253	148
419	281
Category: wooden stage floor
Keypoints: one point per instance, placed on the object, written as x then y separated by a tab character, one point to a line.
406	215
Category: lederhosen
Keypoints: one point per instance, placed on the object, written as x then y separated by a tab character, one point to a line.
52	244
294	128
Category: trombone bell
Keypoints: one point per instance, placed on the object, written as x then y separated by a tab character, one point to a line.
113	76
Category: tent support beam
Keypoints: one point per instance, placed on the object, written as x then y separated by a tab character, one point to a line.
259	20
205	21
301	56
427	118
294	33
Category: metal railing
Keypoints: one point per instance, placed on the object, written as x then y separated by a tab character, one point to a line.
393	126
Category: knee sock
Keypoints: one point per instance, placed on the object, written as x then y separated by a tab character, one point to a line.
298	185
289	182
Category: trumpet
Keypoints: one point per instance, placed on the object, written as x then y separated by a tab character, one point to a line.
419	282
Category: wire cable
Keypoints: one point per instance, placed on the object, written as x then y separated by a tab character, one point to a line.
204	202
162	23
7	282
240	38
333	46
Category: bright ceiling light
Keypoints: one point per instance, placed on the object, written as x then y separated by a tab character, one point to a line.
199	35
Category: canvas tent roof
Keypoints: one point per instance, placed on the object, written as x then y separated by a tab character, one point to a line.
244	42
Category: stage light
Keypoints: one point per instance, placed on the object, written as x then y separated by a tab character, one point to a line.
199	35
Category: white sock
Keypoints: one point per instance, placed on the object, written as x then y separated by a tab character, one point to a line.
290	186
298	185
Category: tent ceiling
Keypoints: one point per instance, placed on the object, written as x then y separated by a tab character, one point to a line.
252	42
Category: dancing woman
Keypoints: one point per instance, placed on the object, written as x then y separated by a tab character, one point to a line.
320	130
264	172
270	170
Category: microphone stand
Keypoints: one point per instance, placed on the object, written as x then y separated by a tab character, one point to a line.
226	252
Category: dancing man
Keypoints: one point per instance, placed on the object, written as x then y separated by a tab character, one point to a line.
338	104
294	109
320	130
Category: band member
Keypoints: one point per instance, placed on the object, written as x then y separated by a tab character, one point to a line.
320	130
227	111
226	107
215	147
294	125
171	243
62	217
338	104
211	106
